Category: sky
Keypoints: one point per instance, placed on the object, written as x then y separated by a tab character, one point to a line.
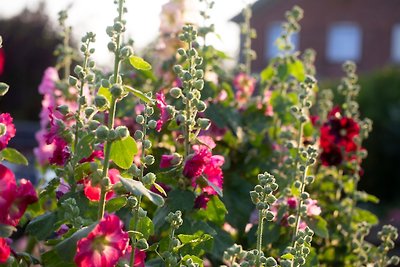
142	20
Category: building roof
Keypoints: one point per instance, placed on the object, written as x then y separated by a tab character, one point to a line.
258	6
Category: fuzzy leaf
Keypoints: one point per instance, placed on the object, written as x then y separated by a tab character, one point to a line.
115	204
215	211
139	63
6	230
138	189
12	155
194	260
123	152
84	147
144	226
195	244
106	93
42	226
138	94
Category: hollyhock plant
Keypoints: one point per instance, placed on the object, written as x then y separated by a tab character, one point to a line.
162	106
4	250
61	152
9	129
244	85
104	245
92	192
14	199
140	257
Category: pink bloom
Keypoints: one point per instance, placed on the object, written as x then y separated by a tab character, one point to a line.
196	163
162	105
201	201
214	174
104	245
97	154
47	86
292	202
140	257
6	120
312	208
166	161
44	151
4	250
206	140
14	199
244	85
92	192
62	189
61	152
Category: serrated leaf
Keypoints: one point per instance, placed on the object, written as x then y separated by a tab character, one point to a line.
139	63
138	94
138	189
194	260
144	226
123	152
195	244
42	226
6	230
14	156
115	204
319	226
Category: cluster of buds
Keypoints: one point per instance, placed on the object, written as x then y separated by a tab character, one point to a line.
234	255
71	212
388	235
296	255
291	26
175	221
203	31
248	33
358	244
350	89
262	195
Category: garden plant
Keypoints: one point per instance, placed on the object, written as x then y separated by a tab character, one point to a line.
169	159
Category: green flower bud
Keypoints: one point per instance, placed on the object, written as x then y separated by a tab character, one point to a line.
201	106
122	132
63	109
305	196
203	123
269	216
90	77
175	92
116	90
149	160
112	135
82	100
181	52
178	69
78	70
106	182
3	88
72	81
142	244
291	220
140	119
198	60
134	170
271	199
112	46
102	132
105	83
152	124
147	144
91	63
138	135
101	102
126	51
132	202
149	111
187	76
199	84
89	111
199	74
93	125
142	213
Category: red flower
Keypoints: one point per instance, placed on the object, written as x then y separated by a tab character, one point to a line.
162	105
2	61
201	201
14	199
196	163
140	257
61	152
93	192
104	246
331	156
7	121
4	250
97	154
214	174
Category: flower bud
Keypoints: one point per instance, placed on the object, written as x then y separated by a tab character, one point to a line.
63	109
112	135
199	74
106	182
138	135
291	220
149	178
203	123
3	88
105	83
78	70
112	46
201	106
101	102
147	144
132	202
269	216
89	111
175	92
199	84
118	26
142	244
72	81
126	51
116	90
122	132
93	125
140	119
181	52
102	132
177	69
149	160
152	124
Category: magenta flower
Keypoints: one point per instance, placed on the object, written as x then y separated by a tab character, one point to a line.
140	257
48	84
61	152
201	201
164	115
196	163
4	250
292	202
7	121
104	246
14	199
166	161
92	192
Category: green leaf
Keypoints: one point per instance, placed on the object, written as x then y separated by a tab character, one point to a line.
123	152
194	260
115	204
180	200
160	189
287	256
296	69
63	253
6	230
105	92
42	226
85	147
361	215
196	244
139	63
13	156
215	211
283	71
138	94
319	226
144	226
267	73
138	189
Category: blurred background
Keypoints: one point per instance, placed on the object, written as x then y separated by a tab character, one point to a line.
365	31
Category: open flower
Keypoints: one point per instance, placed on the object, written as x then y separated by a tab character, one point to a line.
61	152
244	85
92	192
7	121
140	257
48	84
104	246
4	250
162	105
14	199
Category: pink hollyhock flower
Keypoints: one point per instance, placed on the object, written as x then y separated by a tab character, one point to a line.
92	192
48	84
97	154
44	151
7	121
166	161
4	251
312	208
214	174
196	163
292	202
162	105
104	246
61	152
14	199
140	257
201	201
244	85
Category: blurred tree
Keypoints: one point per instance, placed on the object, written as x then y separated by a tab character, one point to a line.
28	42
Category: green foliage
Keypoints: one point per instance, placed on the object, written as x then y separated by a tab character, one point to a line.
13	156
139	63
123	152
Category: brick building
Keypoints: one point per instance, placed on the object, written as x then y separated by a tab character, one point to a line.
365	31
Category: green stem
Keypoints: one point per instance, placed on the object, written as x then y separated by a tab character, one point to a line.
298	214
107	149
187	128
260	230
